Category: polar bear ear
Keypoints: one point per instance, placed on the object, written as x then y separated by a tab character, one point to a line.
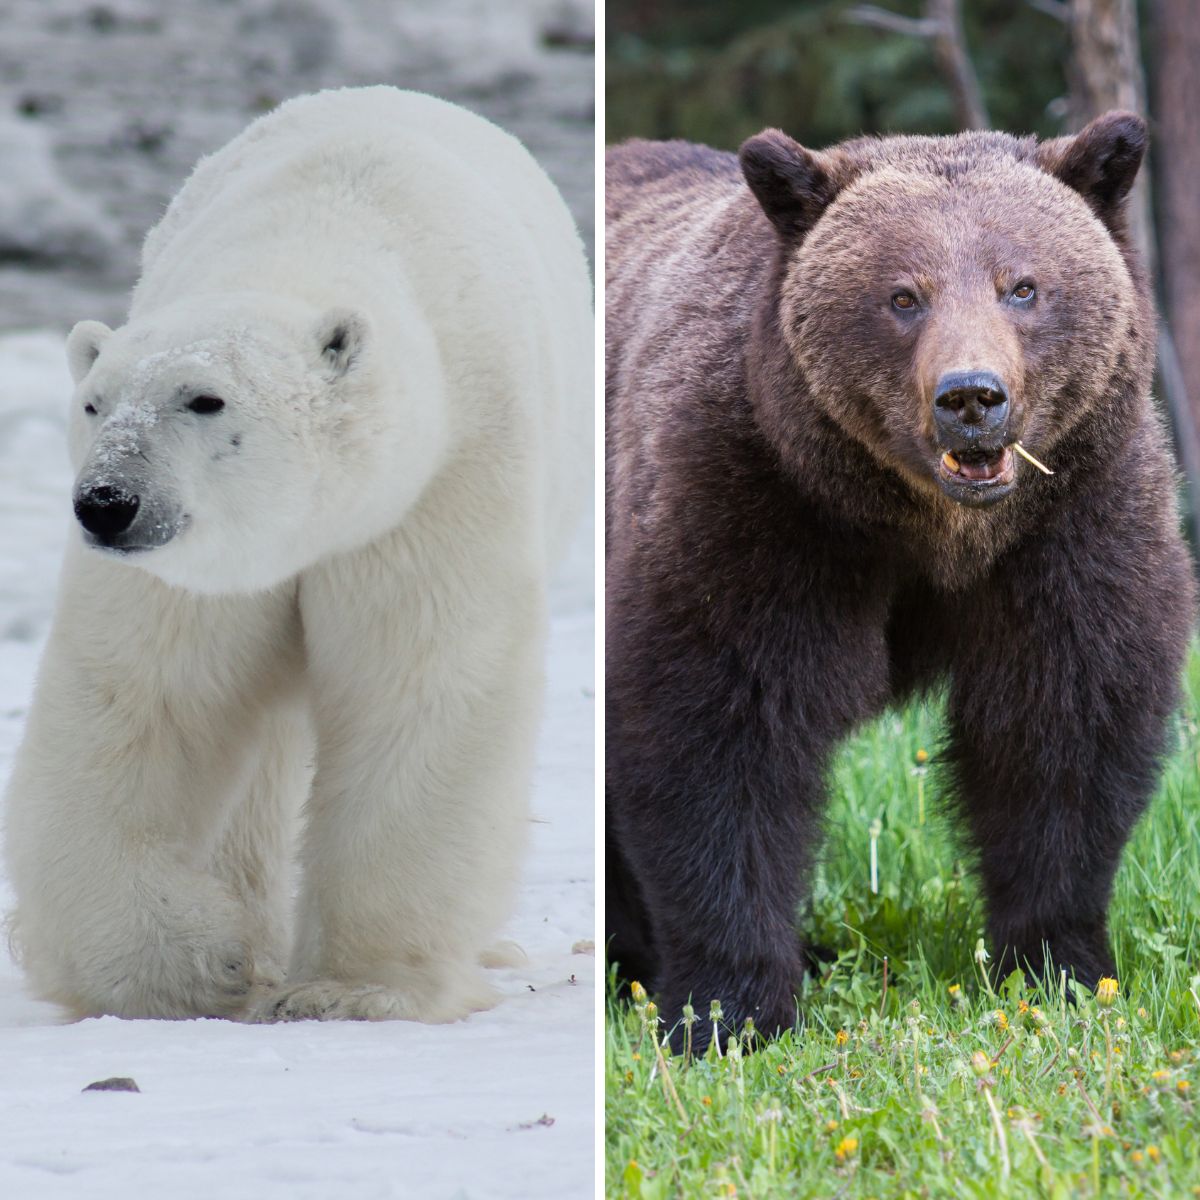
83	346
341	336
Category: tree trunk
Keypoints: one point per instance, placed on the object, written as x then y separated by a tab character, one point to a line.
1105	72
1177	102
950	50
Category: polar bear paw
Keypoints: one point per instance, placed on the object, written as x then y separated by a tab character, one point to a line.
329	1000
221	980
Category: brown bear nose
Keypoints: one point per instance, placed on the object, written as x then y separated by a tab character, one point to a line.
970	398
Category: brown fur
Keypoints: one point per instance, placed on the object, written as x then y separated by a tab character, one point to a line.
782	562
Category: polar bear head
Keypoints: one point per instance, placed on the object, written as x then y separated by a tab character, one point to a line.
224	450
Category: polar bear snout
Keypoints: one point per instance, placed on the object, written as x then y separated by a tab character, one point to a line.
106	512
116	518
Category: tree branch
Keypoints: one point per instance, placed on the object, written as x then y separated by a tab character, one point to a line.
942	26
882	18
1060	10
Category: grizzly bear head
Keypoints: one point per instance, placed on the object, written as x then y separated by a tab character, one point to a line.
952	301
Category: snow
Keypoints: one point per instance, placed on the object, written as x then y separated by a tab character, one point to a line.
43	219
499	1105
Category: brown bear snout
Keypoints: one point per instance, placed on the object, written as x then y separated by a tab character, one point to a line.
971	409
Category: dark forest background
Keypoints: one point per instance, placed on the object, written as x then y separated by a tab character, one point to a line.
716	71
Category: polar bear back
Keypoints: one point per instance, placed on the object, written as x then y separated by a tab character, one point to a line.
426	210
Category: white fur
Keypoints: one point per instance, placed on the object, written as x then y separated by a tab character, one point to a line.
345	594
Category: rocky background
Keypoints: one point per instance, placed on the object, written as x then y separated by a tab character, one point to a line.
105	107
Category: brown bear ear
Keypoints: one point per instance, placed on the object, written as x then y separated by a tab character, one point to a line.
1100	162
793	185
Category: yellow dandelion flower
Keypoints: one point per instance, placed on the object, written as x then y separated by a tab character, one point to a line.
781	1070
841	1037
855	1074
1160	1076
1022	1007
830	1125
628	1076
1145	1016
922	757
637	1057
1106	991
954	989
1182	1087
1153	1153
706	1101
1137	1158
1000	1019
846	1148
637	992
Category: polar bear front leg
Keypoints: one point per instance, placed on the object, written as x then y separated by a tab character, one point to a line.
141	739
426	694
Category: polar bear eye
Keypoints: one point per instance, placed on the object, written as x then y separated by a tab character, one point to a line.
90	409
206	404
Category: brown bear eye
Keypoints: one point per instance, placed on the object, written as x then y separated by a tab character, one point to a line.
904	301
1024	291
206	404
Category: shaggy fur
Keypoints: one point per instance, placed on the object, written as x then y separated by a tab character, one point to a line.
783	560
352	401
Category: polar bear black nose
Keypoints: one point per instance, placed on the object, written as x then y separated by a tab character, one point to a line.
106	512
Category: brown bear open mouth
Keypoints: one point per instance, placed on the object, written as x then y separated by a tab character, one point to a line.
977	467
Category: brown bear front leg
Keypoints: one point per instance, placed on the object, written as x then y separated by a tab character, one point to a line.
718	733
1065	676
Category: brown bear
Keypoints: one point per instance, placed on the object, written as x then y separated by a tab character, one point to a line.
822	370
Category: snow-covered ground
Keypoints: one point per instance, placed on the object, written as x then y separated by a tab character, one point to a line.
500	1105
104	107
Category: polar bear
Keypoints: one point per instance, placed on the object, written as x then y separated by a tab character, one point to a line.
322	472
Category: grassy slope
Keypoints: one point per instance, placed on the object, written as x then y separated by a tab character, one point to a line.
891	1106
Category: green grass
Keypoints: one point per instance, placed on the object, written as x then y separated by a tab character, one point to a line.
877	1095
